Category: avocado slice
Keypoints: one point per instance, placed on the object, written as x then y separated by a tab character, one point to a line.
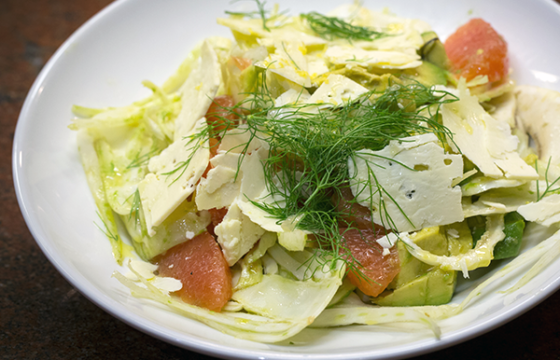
514	224
420	284
435	287
427	74
433	51
429	239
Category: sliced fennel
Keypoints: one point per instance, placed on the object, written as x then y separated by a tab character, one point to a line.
285	299
95	182
480	256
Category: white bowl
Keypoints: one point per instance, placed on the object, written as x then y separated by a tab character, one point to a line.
103	63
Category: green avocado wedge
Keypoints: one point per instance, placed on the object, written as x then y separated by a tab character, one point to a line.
435	287
427	74
420	284
433	51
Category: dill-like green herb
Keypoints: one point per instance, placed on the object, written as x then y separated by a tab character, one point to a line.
142	160
113	237
331	28
549	186
289	56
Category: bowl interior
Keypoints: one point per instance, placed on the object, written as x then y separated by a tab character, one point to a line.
103	64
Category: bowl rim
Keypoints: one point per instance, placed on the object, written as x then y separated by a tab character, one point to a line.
207	347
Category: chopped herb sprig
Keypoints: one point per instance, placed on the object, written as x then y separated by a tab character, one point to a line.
549	185
331	28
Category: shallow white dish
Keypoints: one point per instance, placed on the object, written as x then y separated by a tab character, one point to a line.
103	63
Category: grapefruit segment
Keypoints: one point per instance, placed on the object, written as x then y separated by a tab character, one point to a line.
202	269
377	270
218	116
477	49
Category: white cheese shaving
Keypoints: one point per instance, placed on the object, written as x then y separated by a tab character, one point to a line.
237	234
454	233
388	241
167	284
143	268
220	187
488	143
198	91
160	192
425	195
545	212
146	270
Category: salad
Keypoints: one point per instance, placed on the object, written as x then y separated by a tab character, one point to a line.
325	170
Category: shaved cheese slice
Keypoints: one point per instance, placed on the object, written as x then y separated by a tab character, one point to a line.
146	270
219	188
237	234
254	189
167	284
260	216
538	112
162	191
198	91
545	212
488	143
337	90
480	256
421	188
348	55
241	139
222	184
143	268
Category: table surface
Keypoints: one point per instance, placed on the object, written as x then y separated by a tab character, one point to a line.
43	317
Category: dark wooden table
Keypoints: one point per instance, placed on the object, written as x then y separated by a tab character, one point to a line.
43	317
